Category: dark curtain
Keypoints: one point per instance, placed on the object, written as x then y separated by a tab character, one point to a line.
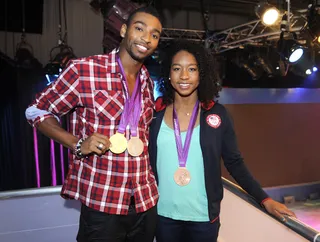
20	83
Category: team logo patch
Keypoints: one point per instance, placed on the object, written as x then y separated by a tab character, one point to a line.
214	120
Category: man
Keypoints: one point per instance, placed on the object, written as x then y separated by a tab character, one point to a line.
111	100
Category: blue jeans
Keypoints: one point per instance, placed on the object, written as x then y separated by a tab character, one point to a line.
170	230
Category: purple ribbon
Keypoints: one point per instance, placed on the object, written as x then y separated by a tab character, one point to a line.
132	106
183	152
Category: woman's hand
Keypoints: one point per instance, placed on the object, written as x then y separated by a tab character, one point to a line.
278	209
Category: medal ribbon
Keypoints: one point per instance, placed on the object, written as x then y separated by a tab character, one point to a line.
132	106
183	151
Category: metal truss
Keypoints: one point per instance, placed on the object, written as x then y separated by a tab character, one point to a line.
252	33
171	33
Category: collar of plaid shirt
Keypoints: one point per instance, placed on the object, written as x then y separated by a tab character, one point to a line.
113	57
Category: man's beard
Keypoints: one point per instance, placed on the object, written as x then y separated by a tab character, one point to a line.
136	58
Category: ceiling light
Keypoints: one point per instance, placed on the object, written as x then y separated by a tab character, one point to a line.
268	14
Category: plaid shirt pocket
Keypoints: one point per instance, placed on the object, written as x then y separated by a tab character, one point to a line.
108	105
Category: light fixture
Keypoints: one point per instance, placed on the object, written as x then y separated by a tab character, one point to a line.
58	61
247	62
289	49
266	66
295	52
61	55
52	71
24	57
251	70
308	72
268	14
307	65
314	20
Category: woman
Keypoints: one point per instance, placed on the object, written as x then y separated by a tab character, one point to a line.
189	135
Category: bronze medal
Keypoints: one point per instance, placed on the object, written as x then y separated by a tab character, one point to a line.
182	176
135	146
118	143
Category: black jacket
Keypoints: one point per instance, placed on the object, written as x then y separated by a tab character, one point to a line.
216	143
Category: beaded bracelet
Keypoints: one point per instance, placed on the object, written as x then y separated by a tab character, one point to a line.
77	149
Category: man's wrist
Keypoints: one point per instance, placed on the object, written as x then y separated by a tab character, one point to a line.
77	149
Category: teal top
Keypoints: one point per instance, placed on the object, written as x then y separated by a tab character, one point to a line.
187	203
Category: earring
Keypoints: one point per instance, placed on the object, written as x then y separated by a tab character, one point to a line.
169	78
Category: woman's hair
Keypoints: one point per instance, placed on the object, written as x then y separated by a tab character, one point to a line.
209	85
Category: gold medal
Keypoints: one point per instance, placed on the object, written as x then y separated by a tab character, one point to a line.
135	146
118	143
182	176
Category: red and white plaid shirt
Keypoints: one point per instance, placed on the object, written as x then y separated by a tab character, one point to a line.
92	89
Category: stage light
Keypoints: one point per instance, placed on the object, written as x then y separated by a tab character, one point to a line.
253	72
52	71
308	72
295	53
314	21
266	66
59	58
268	14
248	63
24	56
307	65
289	49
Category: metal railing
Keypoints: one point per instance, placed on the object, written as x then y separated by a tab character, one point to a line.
294	224
30	192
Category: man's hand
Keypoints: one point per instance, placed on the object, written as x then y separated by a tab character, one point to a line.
278	209
96	143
